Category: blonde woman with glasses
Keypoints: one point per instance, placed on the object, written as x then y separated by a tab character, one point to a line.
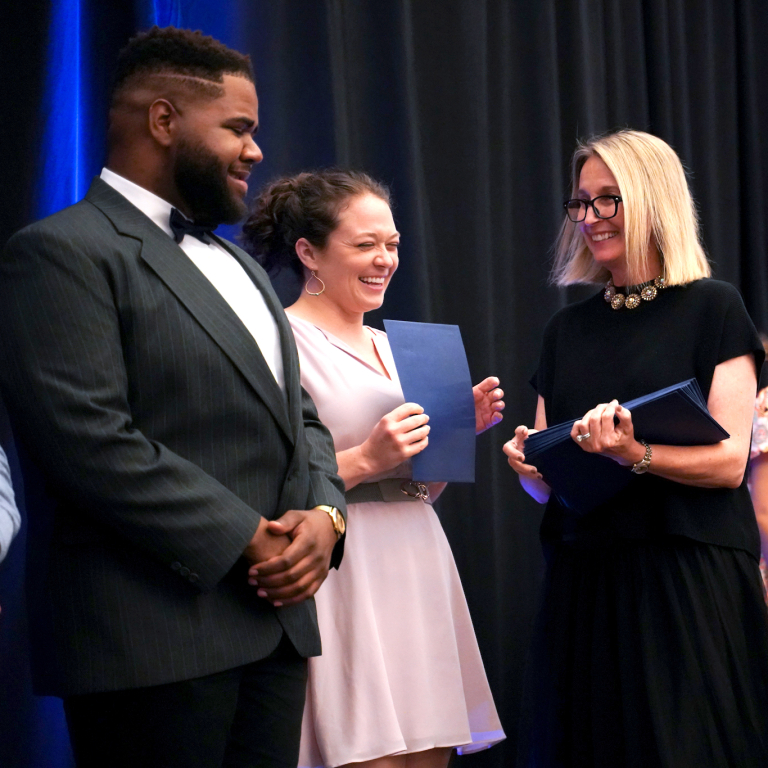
652	641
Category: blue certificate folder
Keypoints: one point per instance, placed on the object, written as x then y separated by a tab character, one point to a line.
433	370
675	415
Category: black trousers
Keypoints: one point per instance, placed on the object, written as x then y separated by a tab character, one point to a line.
247	717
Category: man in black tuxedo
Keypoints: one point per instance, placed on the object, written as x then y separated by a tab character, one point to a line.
153	382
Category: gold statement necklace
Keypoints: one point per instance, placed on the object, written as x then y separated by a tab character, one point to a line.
645	291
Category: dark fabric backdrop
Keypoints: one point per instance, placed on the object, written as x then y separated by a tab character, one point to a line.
470	110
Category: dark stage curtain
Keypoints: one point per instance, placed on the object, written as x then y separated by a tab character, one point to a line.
470	110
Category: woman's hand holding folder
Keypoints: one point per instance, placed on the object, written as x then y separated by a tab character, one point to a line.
530	477
608	430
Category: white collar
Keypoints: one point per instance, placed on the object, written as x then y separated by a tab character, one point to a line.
147	202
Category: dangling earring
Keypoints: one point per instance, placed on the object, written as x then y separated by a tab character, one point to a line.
306	286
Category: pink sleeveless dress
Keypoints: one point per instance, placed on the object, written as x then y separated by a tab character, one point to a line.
400	671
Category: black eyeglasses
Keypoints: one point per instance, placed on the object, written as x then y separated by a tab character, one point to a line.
604	206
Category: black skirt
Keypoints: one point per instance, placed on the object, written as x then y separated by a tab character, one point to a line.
648	654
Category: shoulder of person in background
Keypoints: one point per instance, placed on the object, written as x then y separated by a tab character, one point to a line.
10	519
760	425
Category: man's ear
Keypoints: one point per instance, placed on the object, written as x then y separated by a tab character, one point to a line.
162	117
307	253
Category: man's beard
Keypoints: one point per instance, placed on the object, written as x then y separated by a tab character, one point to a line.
201	179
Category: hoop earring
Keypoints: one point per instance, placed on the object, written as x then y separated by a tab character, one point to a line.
306	286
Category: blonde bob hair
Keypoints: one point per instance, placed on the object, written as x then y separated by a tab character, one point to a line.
657	204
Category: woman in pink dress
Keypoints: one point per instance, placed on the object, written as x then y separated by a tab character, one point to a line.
400	682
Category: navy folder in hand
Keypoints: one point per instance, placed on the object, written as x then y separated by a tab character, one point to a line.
433	371
675	415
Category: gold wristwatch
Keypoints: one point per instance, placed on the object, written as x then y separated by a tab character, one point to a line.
339	525
642	465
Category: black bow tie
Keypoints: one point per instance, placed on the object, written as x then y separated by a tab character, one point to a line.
181	226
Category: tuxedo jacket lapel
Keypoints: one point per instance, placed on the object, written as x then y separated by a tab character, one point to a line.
200	297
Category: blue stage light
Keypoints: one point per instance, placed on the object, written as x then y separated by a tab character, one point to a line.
163	13
65	172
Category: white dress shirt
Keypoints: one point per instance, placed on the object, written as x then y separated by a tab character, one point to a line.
10	520
220	267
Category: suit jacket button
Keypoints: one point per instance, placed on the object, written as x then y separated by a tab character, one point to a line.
184	571
175	566
193	577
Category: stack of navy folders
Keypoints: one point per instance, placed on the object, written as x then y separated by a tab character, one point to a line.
675	415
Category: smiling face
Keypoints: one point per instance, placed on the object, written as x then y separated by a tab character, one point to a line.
215	151
603	237
360	256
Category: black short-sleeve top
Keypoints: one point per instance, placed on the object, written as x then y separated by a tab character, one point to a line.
593	354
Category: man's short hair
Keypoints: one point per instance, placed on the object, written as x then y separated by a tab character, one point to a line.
199	61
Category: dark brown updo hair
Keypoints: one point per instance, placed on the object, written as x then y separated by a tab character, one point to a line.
305	205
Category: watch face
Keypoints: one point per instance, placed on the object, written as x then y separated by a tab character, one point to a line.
341	525
640	469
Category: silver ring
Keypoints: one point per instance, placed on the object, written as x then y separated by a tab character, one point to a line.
585	436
